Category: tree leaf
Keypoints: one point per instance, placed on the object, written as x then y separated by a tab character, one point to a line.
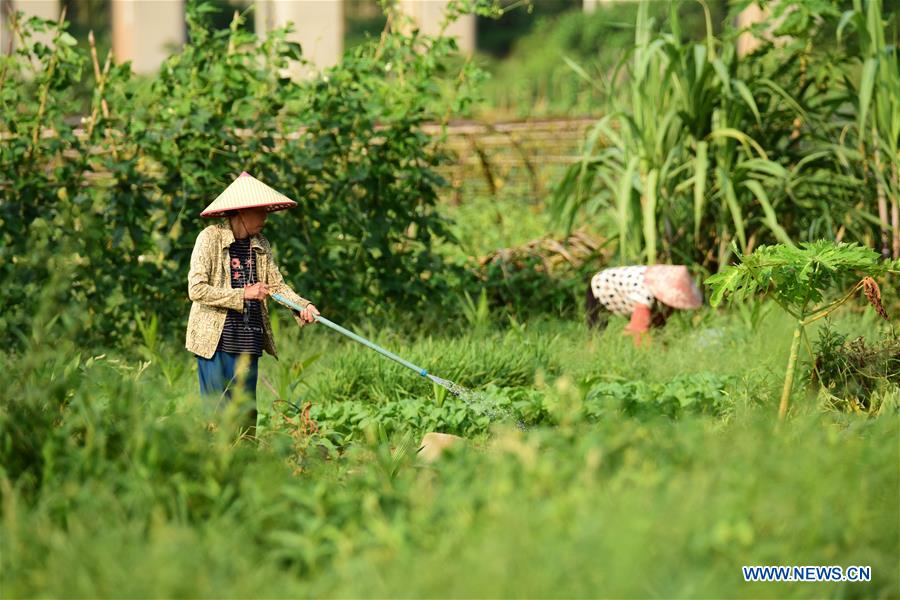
700	166
771	220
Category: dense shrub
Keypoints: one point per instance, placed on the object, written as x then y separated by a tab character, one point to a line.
117	203
857	375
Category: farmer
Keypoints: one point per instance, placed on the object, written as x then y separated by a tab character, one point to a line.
232	272
647	294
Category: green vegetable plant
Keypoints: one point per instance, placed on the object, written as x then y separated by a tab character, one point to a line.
797	279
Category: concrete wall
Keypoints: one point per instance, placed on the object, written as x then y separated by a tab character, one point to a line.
318	26
747	43
590	6
428	16
45	9
146	31
5	33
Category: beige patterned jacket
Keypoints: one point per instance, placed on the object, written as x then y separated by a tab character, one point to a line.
209	288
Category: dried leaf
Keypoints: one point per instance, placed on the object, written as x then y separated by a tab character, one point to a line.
873	294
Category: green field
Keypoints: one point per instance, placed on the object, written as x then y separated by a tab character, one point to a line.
593	468
751	432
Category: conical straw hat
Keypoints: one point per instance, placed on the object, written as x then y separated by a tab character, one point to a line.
247	192
673	286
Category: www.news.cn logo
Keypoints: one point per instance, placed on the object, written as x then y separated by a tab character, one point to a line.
807	573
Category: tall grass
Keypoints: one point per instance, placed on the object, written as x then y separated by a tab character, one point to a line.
700	148
875	97
643	511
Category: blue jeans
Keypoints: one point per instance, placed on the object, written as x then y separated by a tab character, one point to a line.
218	377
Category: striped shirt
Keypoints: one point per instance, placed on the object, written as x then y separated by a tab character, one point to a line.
243	332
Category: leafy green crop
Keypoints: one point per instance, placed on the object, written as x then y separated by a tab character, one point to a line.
686	394
672	482
107	467
797	278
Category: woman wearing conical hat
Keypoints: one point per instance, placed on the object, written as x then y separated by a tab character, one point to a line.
232	271
648	295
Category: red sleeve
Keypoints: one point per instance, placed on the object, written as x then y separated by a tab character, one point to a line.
640	319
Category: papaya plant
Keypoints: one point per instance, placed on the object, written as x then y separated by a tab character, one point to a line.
797	278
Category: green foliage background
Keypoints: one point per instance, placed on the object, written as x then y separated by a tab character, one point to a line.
118	202
638	472
699	147
592	467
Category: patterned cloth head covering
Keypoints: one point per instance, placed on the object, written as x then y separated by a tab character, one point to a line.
673	286
247	192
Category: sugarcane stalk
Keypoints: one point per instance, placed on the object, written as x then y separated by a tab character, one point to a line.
45	89
895	212
101	77
882	199
789	374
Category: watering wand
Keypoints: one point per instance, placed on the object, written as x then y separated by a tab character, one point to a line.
452	387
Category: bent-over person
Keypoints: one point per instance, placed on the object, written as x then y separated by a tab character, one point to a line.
647	295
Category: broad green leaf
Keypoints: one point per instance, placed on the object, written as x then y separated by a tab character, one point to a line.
745	93
701	163
699	60
767	167
780	92
741	137
723	283
727	187
771	219
648	207
866	87
845	20
722	73
578	69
